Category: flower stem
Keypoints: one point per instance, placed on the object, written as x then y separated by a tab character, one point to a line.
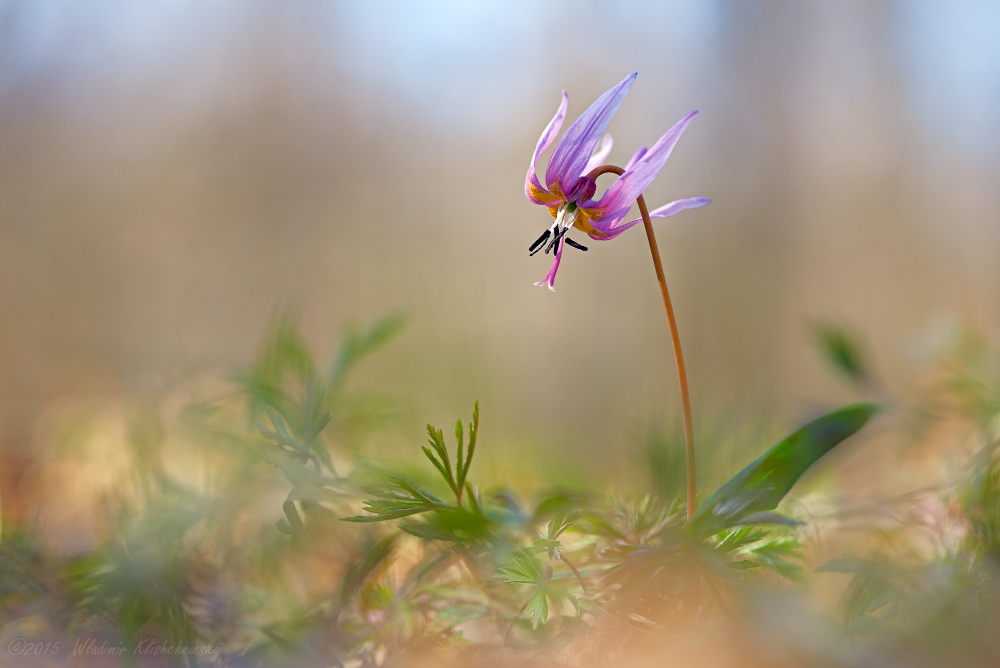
510	627
579	578
675	339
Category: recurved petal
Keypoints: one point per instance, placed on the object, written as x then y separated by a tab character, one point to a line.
619	197
612	228
577	144
636	158
677	206
602	154
532	188
608	229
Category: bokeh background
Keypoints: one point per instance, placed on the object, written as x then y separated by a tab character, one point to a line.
174	173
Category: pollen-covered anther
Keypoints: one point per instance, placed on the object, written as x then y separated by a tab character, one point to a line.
555	240
535	247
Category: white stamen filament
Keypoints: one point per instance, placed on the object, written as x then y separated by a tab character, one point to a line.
564	218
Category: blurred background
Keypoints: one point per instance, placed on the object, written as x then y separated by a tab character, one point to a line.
174	173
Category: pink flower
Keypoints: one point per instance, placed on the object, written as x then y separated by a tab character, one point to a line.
568	193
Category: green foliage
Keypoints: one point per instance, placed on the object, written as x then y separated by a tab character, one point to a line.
555	527
761	485
403	499
522	567
842	349
359	344
655	565
874	594
454	478
257	560
450	521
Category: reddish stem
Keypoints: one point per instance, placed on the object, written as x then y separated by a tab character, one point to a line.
675	338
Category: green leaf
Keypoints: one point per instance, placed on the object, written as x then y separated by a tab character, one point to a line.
762	484
434	460
556	503
736	538
405	499
418	492
765	517
357	572
358	345
283	351
294	519
772	553
321	423
473	437
843	351
475	499
556	526
559	523
460	437
388	510
429	531
538	609
437	442
452	524
521	568
283	436
743	564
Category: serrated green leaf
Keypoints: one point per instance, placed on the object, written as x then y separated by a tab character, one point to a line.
407	498
762	484
537	609
521	568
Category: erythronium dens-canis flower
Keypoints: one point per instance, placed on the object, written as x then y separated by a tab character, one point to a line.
569	192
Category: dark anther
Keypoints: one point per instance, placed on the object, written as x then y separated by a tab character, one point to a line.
535	247
555	239
575	245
